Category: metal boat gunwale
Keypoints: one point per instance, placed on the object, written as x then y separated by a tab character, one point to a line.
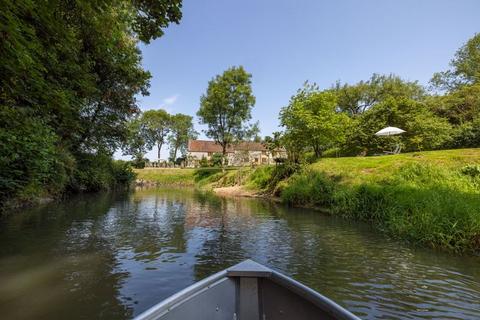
183	295
312	296
247	269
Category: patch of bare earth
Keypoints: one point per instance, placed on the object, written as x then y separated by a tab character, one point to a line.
235	191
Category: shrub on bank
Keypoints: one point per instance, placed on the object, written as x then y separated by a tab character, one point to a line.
97	171
267	178
31	163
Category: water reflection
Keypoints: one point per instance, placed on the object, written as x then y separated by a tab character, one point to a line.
111	257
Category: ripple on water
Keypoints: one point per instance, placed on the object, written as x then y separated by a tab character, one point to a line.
115	257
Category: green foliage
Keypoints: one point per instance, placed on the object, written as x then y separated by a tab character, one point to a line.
471	170
309	188
203	162
358	98
467	135
203	174
226	107
419	202
267	178
465	67
155	128
274	143
217	160
135	143
122	173
72	69
97	171
152	16
30	161
312	122
459	107
424	130
181	131
139	162
261	177
167	176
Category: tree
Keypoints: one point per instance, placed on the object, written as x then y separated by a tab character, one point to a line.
135	143
156	126
424	130
226	107
74	69
273	143
459	106
465	67
311	120
181	131
356	99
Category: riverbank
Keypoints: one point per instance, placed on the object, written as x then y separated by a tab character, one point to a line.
428	198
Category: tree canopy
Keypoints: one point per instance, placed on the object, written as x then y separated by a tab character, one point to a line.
465	67
74	67
181	131
311	120
226	107
356	99
156	128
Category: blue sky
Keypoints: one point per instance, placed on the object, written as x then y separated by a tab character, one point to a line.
283	43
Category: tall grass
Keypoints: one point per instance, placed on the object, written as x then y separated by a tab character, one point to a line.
419	202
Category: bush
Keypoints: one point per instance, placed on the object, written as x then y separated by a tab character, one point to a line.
471	170
122	173
217	159
267	177
30	162
261	177
203	162
467	135
97	171
139	162
309	188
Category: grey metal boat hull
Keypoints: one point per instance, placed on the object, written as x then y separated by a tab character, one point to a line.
247	291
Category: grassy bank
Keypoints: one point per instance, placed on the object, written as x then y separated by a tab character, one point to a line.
207	178
428	198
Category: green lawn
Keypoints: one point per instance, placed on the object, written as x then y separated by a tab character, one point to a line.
166	176
361	169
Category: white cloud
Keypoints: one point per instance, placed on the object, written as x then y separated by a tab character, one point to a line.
170	100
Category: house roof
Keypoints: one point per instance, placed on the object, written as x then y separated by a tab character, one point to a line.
212	146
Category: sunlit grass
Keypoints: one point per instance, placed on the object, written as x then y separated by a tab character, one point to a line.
167	176
426	197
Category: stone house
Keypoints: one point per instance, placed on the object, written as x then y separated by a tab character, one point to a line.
238	154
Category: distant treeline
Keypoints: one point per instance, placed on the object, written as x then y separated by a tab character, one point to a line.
70	73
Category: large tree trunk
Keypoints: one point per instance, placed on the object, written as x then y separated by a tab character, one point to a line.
318	151
175	155
159	145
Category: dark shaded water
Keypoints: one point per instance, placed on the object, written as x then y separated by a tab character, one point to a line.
112	257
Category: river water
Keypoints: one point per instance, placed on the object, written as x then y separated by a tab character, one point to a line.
113	256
